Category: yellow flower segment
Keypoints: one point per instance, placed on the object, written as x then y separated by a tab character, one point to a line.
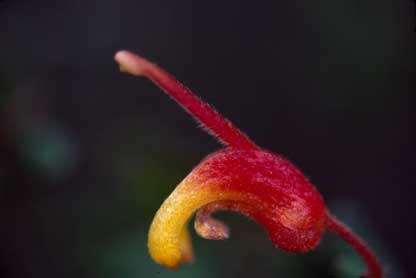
169	241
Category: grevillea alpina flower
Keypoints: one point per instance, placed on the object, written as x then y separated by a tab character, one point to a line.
242	177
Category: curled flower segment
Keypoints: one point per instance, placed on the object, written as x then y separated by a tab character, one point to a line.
256	183
241	177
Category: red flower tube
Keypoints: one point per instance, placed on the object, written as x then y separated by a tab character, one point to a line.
242	177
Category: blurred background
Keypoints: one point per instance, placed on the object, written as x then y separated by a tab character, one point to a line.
87	154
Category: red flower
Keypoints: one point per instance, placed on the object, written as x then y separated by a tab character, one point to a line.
241	177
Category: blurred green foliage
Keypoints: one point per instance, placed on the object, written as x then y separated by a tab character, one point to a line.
48	150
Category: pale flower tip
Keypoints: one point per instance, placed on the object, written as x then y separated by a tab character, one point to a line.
130	62
209	228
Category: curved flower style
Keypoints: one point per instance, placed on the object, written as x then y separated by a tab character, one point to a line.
241	177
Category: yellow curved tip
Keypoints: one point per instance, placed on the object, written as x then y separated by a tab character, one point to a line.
169	241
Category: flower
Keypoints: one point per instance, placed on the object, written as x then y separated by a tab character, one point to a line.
242	177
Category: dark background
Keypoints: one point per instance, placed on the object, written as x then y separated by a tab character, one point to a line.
87	154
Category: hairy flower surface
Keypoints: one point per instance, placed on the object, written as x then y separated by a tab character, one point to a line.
242	177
